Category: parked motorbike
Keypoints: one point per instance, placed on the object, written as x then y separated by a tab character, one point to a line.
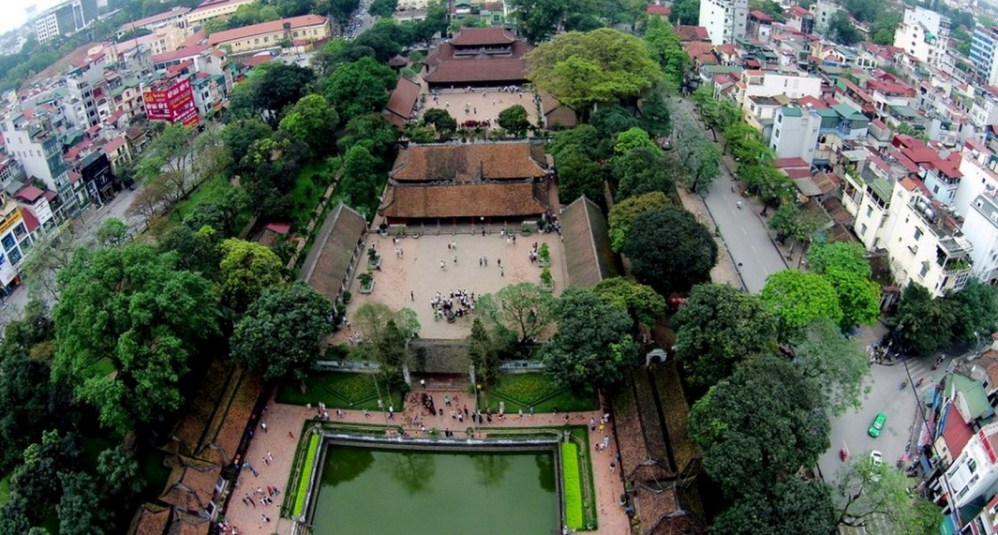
904	384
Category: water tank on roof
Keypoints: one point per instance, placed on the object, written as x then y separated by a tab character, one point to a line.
929	214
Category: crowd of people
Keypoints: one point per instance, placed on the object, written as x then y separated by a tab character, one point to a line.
452	305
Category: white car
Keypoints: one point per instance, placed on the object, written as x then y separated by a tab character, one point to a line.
877	460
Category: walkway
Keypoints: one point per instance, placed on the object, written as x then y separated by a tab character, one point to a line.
284	419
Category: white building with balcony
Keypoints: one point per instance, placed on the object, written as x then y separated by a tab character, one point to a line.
725	20
924	34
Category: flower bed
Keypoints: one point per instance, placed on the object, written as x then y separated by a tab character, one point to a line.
572	483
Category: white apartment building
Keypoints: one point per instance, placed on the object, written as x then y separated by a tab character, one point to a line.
867	201
725	20
755	83
35	146
823	12
924	34
210	9
980	227
795	133
976	468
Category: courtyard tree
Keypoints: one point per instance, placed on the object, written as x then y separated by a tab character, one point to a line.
655	117
245	271
670	250
312	121
578	176
282	332
441	121
798	298
279	86
131	311
239	136
759	426
609	121
634	138
639	301
523	309
37	477
371	318
385	336
78	511
24	399
623	214
925	324
717	328
483	354
515	120
846	267
538	19
975	308
644	170
792	506
359	87
597	67
838	363
873	496
196	250
592	341
374	132
583	140
112	232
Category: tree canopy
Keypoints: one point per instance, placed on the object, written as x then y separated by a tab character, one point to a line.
846	267
839	364
670	250
591	342
717	328
798	298
925	324
131	311
639	301
246	270
280	336
359	87
584	69
623	214
523	309
312	121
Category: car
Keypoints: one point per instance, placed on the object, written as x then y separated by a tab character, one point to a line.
877	425
876	458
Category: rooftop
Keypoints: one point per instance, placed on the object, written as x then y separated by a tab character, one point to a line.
470	162
493	36
303	21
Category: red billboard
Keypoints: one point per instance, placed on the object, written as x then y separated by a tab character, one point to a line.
174	104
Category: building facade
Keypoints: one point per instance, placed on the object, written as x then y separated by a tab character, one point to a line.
795	133
66	18
983	55
171	100
283	33
725	20
924	34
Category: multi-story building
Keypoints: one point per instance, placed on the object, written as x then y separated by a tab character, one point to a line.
283	33
725	20
791	85
980	226
35	145
16	227
824	10
210	9
795	133
171	99
984	54
176	17
924	34
66	18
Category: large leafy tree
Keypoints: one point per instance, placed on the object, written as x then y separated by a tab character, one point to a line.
670	250
716	329
523	309
792	506
374	132
623	214
797	299
841	29
37	477
644	170
839	364
515	120
24	399
578	176
361	177
668	51
312	121
483	354
760	425
976	310
639	301
132	311
925	324
385	333
592	341
240	135
685	12
245	271
538	19
280	86
846	267
584	69
873	496
280	336
359	87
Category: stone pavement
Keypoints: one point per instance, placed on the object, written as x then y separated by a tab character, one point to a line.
480	104
284	419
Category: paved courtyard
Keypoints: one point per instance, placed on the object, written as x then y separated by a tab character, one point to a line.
480	104
414	278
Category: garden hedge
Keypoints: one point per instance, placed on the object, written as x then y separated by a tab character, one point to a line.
572	485
303	477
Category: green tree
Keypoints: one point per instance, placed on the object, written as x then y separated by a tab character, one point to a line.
112	232
583	140
632	139
641	303
132	311
360	177
976	309
382	8
759	426
797	299
245	271
670	250
591	342
609	121
441	121
196	251
846	267
359	87
668	51
537	19
483	355
312	121
585	69
578	176
873	496
37	477
24	398
837	363
374	133
623	214
280	336
78	514
685	12
644	170
280	86
515	120
841	29
792	506
523	309
385	334
655	117
240	135
790	222
716	329
925	324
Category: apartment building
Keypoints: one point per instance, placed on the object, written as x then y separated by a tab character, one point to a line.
283	33
791	85
210	9
984	54
924	34
176	17
725	20
66	18
795	133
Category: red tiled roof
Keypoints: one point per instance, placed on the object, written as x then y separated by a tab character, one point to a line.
478	70
790	163
808	100
760	16
483	36
797	11
469	162
183	53
403	99
956	432
50	195
114	144
280	228
796	172
29	194
113	118
93	129
465	200
692	33
655	9
30	219
253	61
303	21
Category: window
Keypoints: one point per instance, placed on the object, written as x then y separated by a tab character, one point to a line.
924	271
8	242
972	465
862	230
918	233
869	211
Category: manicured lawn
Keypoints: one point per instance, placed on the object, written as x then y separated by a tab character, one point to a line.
306	470
572	484
311	183
339	390
4	489
213	190
524	390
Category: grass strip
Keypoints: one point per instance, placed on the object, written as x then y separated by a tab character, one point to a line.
572	485
306	471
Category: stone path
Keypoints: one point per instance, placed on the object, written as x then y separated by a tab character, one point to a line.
284	419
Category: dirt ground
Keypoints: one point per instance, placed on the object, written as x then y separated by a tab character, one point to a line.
480	104
413	279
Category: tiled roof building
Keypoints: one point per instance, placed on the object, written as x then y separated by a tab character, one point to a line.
477	57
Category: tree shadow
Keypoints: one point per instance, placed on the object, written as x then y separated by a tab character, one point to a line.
545	471
346	464
413	470
490	469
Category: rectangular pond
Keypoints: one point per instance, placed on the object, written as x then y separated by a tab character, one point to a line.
365	491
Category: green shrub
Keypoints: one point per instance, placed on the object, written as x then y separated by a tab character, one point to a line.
306	471
572	485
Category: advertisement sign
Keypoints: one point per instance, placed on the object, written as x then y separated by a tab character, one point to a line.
175	104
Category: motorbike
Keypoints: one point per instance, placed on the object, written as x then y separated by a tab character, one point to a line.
843	454
920	381
904	384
